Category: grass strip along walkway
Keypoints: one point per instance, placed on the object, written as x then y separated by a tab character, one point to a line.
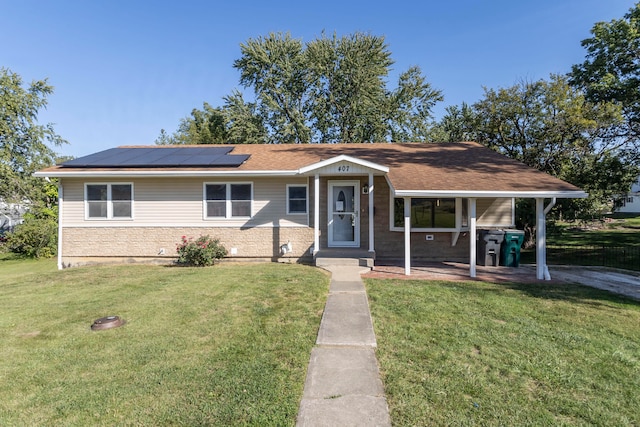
474	353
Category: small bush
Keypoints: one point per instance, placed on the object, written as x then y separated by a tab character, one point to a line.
200	252
35	237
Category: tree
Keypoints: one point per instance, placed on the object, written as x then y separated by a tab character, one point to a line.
551	126
331	89
411	117
275	67
206	126
24	149
244	124
25	145
348	90
611	70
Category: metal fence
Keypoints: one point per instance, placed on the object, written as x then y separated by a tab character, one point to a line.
626	257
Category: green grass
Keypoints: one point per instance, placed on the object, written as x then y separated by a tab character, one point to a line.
225	345
611	244
486	354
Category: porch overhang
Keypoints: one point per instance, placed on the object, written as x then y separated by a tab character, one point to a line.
542	271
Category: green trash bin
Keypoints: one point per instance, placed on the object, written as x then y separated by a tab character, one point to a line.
510	251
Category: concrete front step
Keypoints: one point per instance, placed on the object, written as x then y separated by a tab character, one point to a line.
360	262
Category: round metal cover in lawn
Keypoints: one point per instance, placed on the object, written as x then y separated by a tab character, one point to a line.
108	322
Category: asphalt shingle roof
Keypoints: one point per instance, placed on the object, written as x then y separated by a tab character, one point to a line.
464	166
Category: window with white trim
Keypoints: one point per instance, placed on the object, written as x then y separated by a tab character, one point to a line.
431	213
108	201
228	200
297	199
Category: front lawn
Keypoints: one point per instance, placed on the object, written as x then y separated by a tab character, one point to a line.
484	354
224	345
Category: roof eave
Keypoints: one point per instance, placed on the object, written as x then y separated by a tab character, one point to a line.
546	194
159	174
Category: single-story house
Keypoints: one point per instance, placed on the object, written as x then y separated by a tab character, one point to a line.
407	202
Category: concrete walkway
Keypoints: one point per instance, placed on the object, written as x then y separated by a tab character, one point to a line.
343	386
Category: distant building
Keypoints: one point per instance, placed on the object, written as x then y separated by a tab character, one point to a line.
631	201
11	214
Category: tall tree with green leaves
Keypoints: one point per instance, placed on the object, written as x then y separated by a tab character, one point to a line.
275	68
329	90
348	99
25	145
611	70
551	126
410	108
244	124
206	126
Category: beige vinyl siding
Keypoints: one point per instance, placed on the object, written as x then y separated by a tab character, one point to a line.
178	202
495	212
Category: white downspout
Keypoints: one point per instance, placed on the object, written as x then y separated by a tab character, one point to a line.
60	201
371	241
407	236
472	237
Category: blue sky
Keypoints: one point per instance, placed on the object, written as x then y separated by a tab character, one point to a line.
123	70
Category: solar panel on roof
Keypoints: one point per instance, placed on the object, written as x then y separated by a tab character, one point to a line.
160	157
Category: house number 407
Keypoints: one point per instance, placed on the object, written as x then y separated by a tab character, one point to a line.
343	168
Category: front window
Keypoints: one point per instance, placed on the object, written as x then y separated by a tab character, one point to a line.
109	201
227	200
296	199
426	213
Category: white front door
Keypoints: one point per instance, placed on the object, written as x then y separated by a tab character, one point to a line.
344	220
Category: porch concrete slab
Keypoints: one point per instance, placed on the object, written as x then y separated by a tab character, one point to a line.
346	286
346	321
356	411
342	371
346	273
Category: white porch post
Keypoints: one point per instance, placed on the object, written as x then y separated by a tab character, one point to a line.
472	237
316	214
407	236
371	242
541	239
